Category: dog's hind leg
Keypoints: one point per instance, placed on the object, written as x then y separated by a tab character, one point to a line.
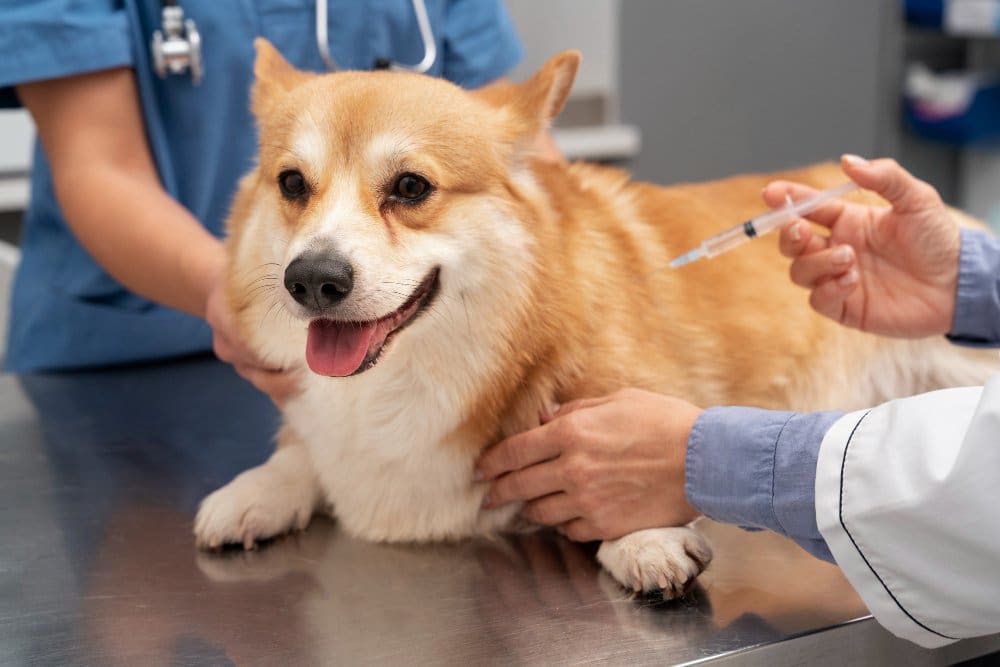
658	559
263	502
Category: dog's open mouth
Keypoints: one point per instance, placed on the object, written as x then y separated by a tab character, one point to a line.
338	348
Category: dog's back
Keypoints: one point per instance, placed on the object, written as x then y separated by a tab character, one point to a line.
732	330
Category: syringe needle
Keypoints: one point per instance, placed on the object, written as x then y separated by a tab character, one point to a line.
687	258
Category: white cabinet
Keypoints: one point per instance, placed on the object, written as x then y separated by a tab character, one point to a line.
16	138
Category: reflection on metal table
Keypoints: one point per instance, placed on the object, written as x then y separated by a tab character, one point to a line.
100	476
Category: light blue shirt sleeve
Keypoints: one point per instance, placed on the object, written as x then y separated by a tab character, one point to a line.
48	39
977	307
757	469
480	43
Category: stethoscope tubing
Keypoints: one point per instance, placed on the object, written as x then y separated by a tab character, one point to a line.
423	23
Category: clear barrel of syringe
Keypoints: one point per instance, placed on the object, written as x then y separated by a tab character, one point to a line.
723	241
740	234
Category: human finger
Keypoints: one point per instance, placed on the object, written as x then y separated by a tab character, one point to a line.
518	451
579	530
830	297
885	176
237	354
550	510
809	270
776	195
798	238
526	484
278	385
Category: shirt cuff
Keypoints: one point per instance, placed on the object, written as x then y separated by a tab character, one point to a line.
977	299
757	468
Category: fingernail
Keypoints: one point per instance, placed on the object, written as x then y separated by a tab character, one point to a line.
795	231
848	278
842	255
854	160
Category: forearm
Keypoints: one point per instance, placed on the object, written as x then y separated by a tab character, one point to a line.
109	190
141	236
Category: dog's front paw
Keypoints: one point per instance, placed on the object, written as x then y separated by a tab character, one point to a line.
660	559
260	503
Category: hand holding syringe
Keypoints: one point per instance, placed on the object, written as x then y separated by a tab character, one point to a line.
762	224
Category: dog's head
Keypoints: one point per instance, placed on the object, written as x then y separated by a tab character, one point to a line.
381	197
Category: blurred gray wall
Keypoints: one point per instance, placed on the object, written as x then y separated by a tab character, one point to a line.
722	86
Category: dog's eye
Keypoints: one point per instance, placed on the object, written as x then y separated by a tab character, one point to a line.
410	187
293	184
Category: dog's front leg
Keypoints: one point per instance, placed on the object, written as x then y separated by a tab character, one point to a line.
262	502
658	559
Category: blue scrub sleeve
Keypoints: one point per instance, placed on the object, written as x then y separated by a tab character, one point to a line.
480	43
977	305
49	39
757	468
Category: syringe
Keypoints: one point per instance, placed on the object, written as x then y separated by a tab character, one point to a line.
762	224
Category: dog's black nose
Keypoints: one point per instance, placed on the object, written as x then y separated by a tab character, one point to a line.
318	281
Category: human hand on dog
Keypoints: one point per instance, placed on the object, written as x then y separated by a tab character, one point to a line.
229	346
891	271
598	468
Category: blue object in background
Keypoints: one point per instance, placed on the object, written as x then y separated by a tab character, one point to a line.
978	125
927	13
961	108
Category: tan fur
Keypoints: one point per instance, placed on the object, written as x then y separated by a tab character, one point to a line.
554	286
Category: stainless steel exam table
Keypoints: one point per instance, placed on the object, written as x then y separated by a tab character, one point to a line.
100	476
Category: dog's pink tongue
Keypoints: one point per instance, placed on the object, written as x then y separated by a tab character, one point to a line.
337	349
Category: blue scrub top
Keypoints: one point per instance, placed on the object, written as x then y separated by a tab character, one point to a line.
66	312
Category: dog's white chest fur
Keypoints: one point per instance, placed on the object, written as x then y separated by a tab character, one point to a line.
384	446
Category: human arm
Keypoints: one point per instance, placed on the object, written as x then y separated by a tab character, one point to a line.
91	128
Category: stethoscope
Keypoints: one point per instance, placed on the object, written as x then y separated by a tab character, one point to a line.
178	47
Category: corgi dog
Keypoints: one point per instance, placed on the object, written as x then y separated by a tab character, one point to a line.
436	286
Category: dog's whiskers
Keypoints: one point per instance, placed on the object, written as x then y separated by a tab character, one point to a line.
274	304
465	306
268	276
260	289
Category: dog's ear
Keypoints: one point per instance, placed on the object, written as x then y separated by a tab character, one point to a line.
273	76
544	95
538	100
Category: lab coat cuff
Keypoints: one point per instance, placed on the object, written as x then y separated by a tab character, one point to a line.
848	555
977	300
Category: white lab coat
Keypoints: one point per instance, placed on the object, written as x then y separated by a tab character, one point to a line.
908	500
